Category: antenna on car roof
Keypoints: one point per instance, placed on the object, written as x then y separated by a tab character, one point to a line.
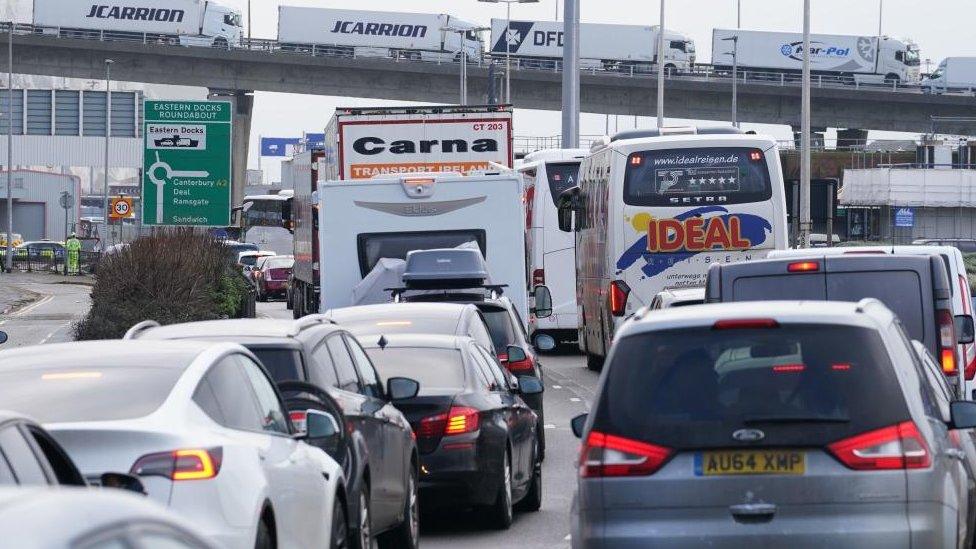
382	342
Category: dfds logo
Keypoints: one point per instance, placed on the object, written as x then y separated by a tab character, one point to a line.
668	241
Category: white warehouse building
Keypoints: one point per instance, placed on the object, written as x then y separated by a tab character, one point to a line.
37	210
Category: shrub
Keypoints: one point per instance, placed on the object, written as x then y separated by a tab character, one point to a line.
175	276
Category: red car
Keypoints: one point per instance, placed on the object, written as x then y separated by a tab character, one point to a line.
271	276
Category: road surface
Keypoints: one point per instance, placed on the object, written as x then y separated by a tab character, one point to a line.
48	319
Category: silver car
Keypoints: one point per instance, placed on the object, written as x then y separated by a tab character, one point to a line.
775	424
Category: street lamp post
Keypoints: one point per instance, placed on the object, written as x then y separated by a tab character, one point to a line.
108	133
508	42
804	234
9	256
735	78
571	81
660	71
463	57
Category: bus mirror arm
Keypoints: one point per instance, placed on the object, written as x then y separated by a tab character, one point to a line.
569	204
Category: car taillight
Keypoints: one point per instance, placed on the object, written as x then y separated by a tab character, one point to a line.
298	420
521	366
619	290
947	342
457	421
899	446
803	267
605	455
539	277
188	464
744	323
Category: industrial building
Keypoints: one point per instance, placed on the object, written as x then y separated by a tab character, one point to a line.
37	210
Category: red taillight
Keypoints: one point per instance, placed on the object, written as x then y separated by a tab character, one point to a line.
457	421
188	464
612	456
755	156
947	342
636	160
521	366
298	420
803	267
896	447
745	324
789	368
538	277
619	290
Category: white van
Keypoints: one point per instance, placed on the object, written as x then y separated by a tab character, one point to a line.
362	222
962	301
551	252
655	208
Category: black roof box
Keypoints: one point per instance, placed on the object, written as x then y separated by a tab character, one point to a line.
445	269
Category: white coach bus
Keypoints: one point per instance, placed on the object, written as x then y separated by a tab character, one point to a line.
654	208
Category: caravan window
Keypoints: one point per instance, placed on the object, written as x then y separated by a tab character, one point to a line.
374	246
713	175
562	176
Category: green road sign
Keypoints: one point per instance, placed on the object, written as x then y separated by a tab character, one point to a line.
186	163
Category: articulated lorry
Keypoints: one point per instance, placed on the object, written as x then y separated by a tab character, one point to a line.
388	142
862	59
539	44
359	33
186	22
953	74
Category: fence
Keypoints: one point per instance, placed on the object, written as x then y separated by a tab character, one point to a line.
51	258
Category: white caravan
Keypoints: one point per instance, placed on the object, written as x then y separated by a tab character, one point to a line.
551	252
362	222
655	208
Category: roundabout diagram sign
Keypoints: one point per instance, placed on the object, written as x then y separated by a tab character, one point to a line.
187	163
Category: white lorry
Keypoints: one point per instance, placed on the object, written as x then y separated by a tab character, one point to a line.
359	33
539	44
953	74
186	22
361	223
362	143
862	59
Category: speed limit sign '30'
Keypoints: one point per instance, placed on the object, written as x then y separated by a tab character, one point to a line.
121	208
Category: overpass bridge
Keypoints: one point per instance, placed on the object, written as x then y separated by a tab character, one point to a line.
263	65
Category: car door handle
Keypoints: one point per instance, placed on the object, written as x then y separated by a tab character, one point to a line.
753	511
956	454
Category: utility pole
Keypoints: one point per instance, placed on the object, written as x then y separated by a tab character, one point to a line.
738	14
660	71
108	132
9	256
880	15
735	78
571	81
804	235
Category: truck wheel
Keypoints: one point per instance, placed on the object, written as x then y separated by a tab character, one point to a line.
594	363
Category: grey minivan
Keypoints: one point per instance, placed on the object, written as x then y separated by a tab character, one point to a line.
914	287
784	424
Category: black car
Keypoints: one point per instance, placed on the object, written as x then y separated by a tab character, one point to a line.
478	440
379	456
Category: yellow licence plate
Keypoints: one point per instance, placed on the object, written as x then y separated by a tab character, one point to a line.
750	462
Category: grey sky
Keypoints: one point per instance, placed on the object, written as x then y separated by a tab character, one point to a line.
940	27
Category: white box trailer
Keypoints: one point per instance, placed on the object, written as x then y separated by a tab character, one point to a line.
362	143
602	46
864	58
191	22
364	222
376	33
952	74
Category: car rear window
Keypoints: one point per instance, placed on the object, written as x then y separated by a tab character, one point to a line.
500	327
282	364
900	291
562	176
693	388
437	370
401	324
53	395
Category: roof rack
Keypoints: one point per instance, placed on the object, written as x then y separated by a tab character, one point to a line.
495	290
863	304
309	321
133	332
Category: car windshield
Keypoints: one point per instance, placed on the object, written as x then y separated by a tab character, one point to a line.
693	388
54	395
282	363
437	370
279	263
500	327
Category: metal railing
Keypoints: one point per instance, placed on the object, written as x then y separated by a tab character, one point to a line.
700	72
53	259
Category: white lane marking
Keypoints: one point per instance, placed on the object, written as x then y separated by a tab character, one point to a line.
574	399
549	426
46	299
557	386
49	336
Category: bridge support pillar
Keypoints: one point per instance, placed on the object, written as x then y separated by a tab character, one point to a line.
242	101
851	137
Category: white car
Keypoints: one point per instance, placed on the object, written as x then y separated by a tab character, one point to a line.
82	518
201	424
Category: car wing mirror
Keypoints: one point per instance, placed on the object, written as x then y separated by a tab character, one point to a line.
578	424
515	354
402	388
3	337
123	481
543	302
545	342
965	331
529	385
962	414
320	425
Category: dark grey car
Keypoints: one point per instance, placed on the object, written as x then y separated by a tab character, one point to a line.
775	424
